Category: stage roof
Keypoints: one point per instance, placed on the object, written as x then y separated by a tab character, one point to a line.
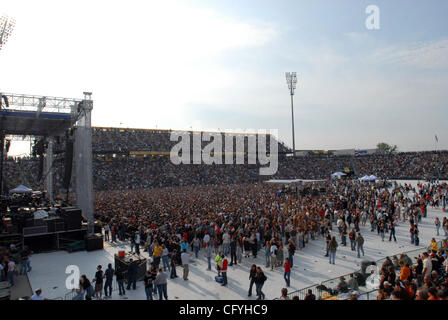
20	122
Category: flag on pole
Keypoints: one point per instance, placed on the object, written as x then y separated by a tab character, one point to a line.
437	139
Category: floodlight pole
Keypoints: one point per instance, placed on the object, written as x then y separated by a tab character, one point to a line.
292	121
291	80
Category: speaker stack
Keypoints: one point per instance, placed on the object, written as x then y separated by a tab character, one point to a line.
55	224
94	242
72	217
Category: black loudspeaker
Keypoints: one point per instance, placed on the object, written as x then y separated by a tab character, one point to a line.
72	217
29	222
94	242
68	163
55	224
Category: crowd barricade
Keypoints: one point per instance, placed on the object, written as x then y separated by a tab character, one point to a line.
365	293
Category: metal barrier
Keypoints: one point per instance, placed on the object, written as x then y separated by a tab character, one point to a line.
332	283
303	292
70	295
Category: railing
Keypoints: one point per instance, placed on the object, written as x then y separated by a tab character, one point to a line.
368	295
70	295
332	283
303	292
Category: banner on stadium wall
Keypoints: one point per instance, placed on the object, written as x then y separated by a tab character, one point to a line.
167	153
359	152
154	153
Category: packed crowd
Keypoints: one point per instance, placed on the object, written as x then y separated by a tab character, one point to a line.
123	173
243	221
132	172
120	139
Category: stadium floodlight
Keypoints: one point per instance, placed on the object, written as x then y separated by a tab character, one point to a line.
291	80
6	27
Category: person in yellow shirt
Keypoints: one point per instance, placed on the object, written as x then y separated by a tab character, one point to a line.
157	254
433	245
218	260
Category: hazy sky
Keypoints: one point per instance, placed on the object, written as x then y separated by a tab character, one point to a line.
221	64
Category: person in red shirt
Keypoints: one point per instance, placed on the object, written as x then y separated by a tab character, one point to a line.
225	262
287	274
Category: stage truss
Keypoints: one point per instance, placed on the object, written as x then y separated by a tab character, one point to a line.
19	112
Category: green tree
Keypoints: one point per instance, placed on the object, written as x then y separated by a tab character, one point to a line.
386	148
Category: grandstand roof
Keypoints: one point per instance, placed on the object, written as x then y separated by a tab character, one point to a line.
171	130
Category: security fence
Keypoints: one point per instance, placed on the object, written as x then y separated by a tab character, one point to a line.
324	290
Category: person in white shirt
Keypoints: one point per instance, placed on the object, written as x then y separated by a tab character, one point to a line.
106	232
185	257
273	256
137	243
206	238
38	295
225	243
427	264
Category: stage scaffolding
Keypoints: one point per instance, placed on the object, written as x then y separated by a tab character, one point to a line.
49	117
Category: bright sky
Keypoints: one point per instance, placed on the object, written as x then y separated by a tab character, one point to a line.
221	64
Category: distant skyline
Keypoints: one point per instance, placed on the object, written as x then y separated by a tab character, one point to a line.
202	64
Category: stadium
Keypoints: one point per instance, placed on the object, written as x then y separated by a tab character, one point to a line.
106	212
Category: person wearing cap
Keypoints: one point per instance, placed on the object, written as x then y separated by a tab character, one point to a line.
354	295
